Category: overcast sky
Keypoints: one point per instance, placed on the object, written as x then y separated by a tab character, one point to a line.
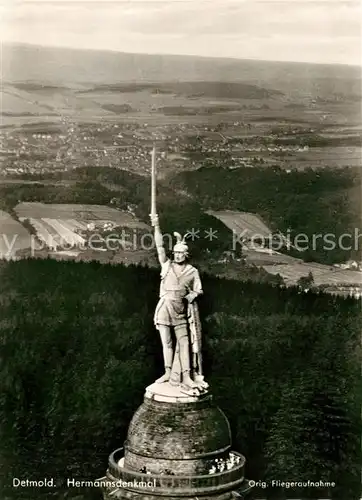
326	31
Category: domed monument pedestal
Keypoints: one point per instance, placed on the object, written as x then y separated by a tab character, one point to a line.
179	447
179	443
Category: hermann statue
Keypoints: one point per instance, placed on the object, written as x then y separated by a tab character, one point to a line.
177	312
178	441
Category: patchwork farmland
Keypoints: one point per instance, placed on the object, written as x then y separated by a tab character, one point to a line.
58	233
63	230
291	269
77	212
68	226
323	275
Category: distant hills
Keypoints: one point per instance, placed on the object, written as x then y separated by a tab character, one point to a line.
86	68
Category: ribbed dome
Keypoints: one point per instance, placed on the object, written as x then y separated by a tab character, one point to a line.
178	431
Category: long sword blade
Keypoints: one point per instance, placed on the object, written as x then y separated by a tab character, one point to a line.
153	183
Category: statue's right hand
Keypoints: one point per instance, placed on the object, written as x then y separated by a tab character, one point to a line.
154	220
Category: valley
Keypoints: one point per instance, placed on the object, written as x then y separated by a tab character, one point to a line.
264	140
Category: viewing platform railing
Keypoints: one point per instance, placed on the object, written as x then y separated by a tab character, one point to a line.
175	485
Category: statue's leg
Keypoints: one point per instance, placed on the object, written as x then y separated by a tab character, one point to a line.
175	378
166	339
182	336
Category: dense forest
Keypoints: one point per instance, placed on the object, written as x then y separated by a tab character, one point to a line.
120	189
78	347
311	202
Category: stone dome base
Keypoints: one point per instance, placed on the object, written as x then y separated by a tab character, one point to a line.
182	438
177	448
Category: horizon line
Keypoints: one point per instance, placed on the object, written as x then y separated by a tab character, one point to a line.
228	58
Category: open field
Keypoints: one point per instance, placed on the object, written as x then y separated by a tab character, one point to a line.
322	274
247	224
291	269
79	213
67	226
269	259
13	236
45	233
57	232
107	103
247	103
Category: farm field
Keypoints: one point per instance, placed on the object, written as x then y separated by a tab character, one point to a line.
13	236
275	258
78	214
58	233
13	105
341	156
47	102
322	274
243	222
63	227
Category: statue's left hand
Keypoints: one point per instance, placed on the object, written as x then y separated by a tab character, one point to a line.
190	297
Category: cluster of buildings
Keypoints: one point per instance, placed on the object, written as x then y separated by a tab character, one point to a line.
29	151
354	265
56	147
45	148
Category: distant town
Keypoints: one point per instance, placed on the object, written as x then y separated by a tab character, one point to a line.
49	148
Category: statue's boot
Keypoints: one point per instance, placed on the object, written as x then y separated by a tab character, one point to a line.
190	383
175	379
201	384
165	377
187	381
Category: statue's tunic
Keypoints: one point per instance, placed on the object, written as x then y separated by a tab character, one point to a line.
171	309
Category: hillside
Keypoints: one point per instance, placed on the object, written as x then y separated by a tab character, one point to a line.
286	202
63	108
312	202
57	66
80	348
